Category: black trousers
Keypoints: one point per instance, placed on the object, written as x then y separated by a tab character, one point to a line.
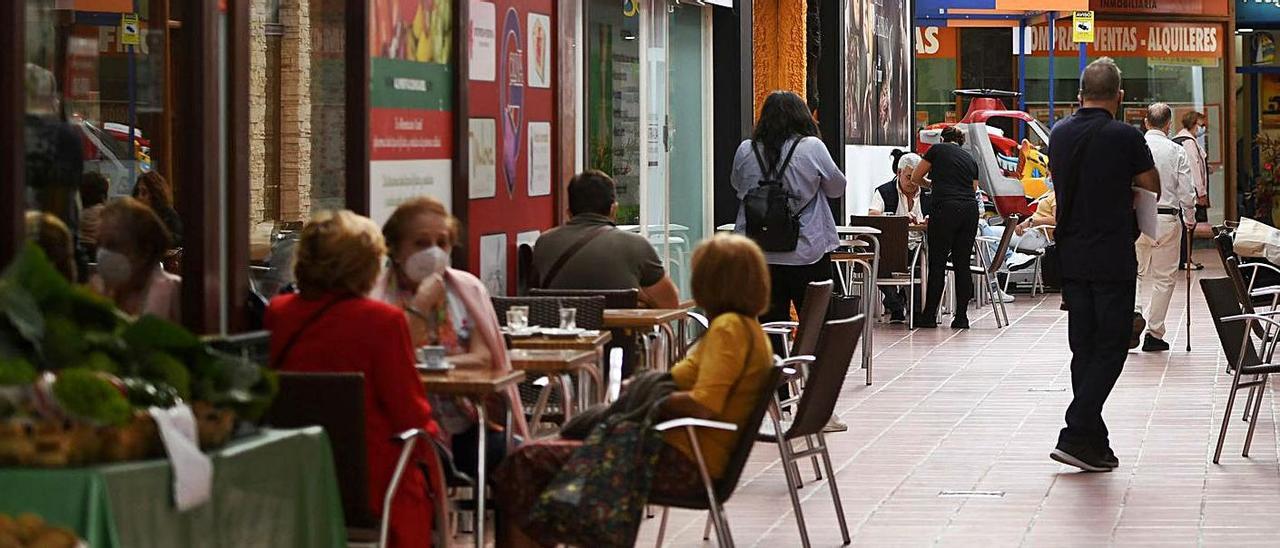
788	284
953	226
1099	323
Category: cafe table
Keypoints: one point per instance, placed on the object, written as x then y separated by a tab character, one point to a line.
865	253
558	365
593	343
651	319
475	385
273	488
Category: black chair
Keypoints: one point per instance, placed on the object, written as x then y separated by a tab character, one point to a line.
613	298
817	298
817	404
335	402
1249	290
718	490
1243	357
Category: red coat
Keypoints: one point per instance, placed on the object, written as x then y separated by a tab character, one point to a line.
361	335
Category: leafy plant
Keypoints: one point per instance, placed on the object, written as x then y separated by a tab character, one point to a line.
86	394
16	371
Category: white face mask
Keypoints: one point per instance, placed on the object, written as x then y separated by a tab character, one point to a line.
1200	131
422	264
114	267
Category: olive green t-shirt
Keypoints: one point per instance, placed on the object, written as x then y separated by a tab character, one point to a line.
616	259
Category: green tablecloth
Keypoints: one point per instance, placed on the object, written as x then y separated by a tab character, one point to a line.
276	488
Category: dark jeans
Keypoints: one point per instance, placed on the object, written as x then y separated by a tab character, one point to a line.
1099	324
953	226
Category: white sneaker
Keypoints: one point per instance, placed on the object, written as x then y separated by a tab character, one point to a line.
1018	261
834	425
1004	297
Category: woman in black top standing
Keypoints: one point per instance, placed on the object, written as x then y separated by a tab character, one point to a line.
952	174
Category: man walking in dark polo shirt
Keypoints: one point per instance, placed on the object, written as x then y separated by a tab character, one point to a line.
1095	160
589	252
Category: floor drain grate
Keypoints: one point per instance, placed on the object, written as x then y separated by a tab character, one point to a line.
969	494
1048	389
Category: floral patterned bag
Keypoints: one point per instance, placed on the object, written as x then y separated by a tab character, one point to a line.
598	497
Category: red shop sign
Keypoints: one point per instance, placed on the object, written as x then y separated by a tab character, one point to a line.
1161	7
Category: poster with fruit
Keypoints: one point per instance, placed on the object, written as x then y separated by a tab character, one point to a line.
411	102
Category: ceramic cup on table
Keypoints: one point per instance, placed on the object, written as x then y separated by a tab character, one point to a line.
432	357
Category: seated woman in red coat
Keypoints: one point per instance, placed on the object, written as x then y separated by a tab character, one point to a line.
332	327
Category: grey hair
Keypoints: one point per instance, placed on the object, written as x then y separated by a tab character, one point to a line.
1100	80
909	162
1159	115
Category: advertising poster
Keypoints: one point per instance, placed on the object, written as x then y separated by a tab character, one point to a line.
1269	99
878	73
411	102
482	140
493	263
512	152
483	40
539	158
539	51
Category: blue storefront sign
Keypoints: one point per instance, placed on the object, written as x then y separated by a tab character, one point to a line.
1258	13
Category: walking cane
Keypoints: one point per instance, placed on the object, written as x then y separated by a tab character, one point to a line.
1191	234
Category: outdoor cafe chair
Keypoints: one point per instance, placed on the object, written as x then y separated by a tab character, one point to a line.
719	490
335	401
817	404
1235	334
899	265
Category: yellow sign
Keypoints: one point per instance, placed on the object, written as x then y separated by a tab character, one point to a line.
1082	27
130	34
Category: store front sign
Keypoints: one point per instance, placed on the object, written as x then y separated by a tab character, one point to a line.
1257	12
935	43
1126	39
1161	7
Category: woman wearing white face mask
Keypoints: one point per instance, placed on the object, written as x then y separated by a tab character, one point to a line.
131	242
449	308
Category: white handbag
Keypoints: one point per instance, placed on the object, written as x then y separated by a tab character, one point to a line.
1255	239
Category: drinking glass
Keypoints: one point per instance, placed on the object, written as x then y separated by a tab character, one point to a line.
523	322
516	320
568	318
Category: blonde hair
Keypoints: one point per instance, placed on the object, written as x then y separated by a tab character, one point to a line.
338	251
730	275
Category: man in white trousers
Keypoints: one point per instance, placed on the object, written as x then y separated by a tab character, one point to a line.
1158	258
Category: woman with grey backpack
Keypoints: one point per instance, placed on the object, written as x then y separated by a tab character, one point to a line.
784	175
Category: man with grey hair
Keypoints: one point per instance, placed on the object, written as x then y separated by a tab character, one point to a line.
1158	257
902	197
1095	160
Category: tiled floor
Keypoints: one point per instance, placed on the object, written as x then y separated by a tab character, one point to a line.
980	410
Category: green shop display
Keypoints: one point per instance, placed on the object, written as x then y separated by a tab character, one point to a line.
275	488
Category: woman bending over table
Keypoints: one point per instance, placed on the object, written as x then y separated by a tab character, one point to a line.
330	326
718	381
449	308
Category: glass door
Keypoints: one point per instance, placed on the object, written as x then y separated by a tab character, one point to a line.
647	117
688	137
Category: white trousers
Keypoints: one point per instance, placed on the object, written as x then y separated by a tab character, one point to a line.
1157	266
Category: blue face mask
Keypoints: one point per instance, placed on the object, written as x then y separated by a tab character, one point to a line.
1201	131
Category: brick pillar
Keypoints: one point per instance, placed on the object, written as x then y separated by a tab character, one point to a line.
295	115
257	113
